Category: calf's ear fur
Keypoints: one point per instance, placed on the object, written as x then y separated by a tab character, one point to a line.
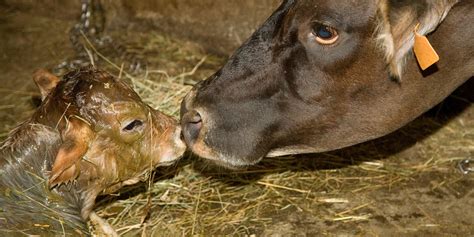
45	81
396	24
75	143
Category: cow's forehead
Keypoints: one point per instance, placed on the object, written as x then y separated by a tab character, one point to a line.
355	12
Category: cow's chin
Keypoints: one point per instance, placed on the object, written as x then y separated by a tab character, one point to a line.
293	150
221	159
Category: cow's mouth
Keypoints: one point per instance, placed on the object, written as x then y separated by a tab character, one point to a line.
196	129
220	159
228	136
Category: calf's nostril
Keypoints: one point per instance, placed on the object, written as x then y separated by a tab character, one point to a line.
192	124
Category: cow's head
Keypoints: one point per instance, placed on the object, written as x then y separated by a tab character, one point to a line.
314	77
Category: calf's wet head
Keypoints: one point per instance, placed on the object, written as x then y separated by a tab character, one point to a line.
110	137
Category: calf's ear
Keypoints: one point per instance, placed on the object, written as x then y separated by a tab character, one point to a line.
45	81
396	27
75	143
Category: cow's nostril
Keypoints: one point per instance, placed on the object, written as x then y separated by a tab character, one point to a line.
195	117
192	124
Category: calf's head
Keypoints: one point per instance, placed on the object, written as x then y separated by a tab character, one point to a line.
316	76
110	138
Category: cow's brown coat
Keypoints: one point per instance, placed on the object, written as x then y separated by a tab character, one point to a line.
283	93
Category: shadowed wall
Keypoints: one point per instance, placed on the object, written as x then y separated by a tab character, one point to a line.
220	26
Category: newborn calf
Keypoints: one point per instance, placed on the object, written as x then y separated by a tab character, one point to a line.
91	135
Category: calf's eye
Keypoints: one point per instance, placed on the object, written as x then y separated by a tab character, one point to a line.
133	126
324	34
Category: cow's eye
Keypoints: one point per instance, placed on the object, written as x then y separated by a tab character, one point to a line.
324	34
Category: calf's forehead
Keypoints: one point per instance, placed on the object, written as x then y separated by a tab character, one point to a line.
108	91
90	83
109	98
99	97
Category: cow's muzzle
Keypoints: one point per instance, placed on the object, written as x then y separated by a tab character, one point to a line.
193	126
191	122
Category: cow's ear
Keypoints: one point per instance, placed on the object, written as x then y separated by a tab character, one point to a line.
75	143
45	81
396	28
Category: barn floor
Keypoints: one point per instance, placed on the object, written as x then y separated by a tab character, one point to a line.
405	184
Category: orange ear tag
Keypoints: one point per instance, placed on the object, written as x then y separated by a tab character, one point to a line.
424	52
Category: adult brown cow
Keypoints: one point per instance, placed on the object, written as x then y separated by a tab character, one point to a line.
322	75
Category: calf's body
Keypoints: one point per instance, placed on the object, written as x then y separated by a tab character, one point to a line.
28	204
90	136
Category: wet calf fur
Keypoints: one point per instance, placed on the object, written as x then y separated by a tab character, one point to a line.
90	136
